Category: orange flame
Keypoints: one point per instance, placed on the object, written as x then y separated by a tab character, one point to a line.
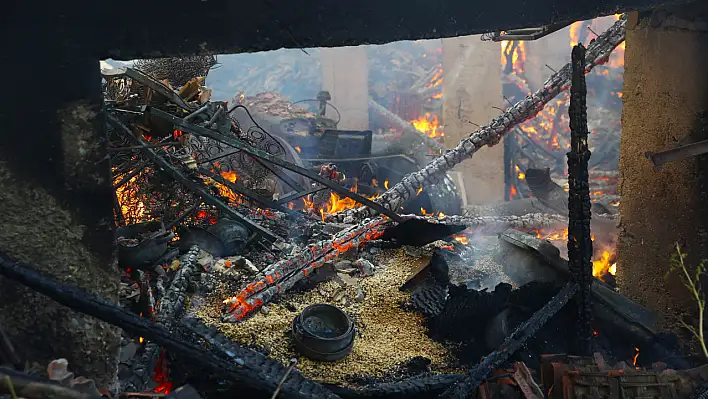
230	176
428	124
636	355
461	239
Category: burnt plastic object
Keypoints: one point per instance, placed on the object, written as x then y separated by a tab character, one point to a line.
323	332
232	234
206	241
141	245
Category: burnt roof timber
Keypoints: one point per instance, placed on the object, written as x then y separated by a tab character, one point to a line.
133	29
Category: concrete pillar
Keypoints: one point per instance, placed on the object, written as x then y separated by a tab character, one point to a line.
665	85
345	74
472	99
55	204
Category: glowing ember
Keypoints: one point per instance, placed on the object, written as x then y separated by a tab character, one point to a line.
461	239
161	375
141	340
230	176
297	148
420	190
428	124
386	184
636	355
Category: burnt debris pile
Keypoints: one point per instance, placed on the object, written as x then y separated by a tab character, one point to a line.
267	253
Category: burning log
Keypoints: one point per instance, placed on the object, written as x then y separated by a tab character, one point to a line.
598	52
247	367
170	307
282	275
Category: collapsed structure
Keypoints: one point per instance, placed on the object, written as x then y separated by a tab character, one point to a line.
186	162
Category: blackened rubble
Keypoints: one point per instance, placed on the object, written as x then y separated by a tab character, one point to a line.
220	257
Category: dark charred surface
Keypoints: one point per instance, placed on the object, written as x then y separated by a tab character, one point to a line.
55	197
231	27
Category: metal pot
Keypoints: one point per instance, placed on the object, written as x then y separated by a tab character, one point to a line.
206	241
323	332
148	249
232	234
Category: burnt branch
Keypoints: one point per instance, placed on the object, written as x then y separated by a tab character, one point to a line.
248	370
597	53
511	344
170	308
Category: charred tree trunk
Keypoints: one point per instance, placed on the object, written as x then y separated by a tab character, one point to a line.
55	199
598	52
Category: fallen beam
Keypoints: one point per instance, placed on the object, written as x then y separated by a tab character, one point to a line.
247	369
262	26
512	343
597	52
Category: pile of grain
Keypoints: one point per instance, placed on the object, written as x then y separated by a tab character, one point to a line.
387	335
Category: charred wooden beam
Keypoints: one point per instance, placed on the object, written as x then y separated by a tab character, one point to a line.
513	342
282	275
248	368
266	26
170	308
598	52
579	238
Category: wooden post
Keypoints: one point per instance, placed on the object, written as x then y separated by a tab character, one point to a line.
470	99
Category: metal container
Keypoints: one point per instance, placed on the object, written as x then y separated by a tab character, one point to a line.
150	244
232	234
323	332
206	241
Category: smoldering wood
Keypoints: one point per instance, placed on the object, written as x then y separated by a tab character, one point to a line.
31	387
283	275
246	371
467	387
598	52
170	308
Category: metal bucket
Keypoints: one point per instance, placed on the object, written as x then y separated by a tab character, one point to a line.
323	332
233	234
206	241
148	250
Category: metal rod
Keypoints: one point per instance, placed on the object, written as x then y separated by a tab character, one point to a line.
241	189
300	194
130	175
137	147
659	159
264	156
183	216
197	188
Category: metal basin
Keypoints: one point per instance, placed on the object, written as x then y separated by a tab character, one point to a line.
232	234
323	332
151	244
190	236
